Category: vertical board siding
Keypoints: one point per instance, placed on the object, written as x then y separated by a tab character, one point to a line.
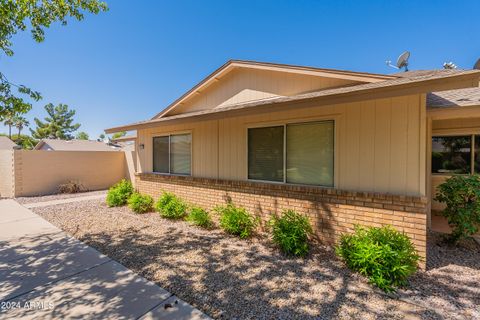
367	144
398	145
382	140
377	146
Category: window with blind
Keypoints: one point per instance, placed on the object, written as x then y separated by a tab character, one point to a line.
172	154
300	153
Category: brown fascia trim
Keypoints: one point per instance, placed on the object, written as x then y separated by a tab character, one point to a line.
429	85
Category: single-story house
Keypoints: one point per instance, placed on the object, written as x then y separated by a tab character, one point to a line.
7	144
75	145
343	147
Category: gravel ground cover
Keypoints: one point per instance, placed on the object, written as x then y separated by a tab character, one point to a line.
25	200
229	278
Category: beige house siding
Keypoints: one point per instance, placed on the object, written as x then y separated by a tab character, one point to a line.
6	174
244	85
380	145
41	172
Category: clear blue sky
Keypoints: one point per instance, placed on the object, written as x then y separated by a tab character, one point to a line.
129	63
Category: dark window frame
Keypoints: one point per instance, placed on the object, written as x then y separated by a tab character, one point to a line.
170	153
473	150
285	125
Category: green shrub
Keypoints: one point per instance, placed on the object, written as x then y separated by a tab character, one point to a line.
200	217
170	206
118	194
290	232
140	203
386	256
461	194
236	220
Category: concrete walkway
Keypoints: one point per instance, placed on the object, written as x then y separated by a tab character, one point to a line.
45	274
62	201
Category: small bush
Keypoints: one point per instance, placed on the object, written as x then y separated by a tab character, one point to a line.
170	206
290	232
140	203
118	194
71	187
236	220
200	217
386	256
461	194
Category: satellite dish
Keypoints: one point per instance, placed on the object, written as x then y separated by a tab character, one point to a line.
402	61
477	65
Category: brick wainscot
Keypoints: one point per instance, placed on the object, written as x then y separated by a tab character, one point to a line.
331	211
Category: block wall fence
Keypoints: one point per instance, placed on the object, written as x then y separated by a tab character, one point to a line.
38	172
332	212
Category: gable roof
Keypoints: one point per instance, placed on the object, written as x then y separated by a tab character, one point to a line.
305	70
6	143
450	79
75	145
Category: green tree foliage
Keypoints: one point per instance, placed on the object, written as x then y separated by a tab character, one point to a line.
461	194
119	135
10	103
82	135
20	123
18	15
37	15
24	141
8	121
58	125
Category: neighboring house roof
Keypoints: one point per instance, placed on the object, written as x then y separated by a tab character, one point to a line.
7	144
74	145
421	83
234	64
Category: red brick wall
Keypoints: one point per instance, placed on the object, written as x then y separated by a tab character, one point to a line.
332	212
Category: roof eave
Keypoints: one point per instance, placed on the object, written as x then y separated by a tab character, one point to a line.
451	82
231	64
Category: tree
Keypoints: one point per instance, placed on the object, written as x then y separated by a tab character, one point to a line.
20	122
82	135
37	15
119	135
101	136
58	125
8	120
18	15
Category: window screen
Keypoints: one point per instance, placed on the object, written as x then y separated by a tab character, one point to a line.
310	153
451	154
265	153
180	153
160	154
